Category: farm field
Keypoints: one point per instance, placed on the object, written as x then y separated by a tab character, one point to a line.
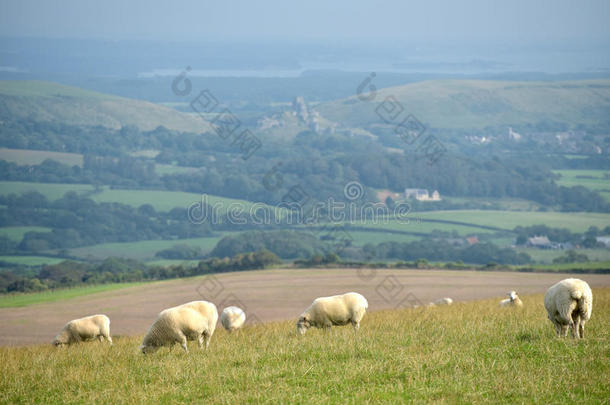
16	233
52	191
22	300
142	250
591	179
160	200
423	226
270	295
31	260
547	255
163	169
362	238
470	352
35	157
574	221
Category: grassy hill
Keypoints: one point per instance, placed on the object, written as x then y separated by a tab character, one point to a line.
46	101
470	104
469	352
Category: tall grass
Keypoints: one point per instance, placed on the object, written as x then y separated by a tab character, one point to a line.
469	352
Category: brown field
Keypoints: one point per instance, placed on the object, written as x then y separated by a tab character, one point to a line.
271	295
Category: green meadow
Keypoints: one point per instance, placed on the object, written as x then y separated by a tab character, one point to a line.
25	299
470	352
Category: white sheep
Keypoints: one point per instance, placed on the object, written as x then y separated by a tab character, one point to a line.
194	320
84	329
569	304
442	301
336	310
232	318
513	300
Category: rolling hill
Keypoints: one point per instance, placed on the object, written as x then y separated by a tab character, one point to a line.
475	104
46	101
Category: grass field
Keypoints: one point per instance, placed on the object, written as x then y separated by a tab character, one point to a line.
547	255
47	101
31	260
159	199
479	103
592	179
52	191
22	300
470	352
570	266
142	250
163	169
16	233
574	221
34	157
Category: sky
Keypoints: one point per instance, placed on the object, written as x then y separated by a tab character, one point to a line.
313	20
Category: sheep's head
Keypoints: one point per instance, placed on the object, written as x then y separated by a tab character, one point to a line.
303	324
512	295
57	342
148	349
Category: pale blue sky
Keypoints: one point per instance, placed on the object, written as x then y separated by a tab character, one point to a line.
514	20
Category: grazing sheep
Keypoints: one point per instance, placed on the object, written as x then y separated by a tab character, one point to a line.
195	320
513	300
442	301
569	304
83	329
232	318
336	310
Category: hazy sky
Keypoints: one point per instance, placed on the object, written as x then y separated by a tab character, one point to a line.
512	20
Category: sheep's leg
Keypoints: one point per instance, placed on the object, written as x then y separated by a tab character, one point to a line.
200	341
356	326
206	339
563	330
581	329
109	338
182	341
557	328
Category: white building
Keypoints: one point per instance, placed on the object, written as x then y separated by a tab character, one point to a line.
421	194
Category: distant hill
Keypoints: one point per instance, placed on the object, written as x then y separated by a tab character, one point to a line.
47	101
472	104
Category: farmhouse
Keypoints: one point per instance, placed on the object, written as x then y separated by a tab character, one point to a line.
604	240
421	194
541	242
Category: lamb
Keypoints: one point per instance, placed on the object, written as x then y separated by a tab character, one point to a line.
513	300
336	310
569	304
194	320
232	318
84	329
443	301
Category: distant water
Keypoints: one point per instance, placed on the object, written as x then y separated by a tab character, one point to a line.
147	59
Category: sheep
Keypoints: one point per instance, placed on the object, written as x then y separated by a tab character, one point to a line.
84	329
569	304
336	310
442	301
232	318
194	320
513	300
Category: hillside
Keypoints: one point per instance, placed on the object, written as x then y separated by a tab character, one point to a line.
471	352
475	104
46	101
